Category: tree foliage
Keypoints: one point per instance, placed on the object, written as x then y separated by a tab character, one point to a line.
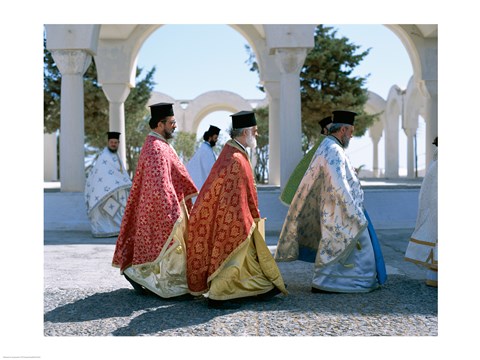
137	116
51	92
327	83
261	151
96	109
184	144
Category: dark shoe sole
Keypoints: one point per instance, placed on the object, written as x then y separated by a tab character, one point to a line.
137	287
223	305
268	295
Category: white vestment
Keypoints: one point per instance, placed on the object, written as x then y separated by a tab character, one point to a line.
201	163
423	245
106	191
326	224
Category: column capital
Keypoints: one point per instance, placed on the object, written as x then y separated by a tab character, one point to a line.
428	88
116	93
72	62
290	60
272	88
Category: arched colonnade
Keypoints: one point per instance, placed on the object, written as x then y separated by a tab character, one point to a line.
280	52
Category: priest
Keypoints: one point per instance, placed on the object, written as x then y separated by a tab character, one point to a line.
106	190
227	256
202	161
151	250
326	223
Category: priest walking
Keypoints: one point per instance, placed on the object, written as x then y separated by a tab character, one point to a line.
227	257
202	161
150	250
326	223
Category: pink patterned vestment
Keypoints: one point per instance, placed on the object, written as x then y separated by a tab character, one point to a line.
160	184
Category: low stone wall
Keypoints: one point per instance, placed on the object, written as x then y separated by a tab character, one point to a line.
65	211
389	207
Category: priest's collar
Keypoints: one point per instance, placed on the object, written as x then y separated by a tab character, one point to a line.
243	147
157	135
336	140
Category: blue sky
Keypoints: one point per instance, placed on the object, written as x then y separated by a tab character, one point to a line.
193	59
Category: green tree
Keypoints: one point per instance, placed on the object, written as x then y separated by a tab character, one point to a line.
51	92
327	83
96	109
261	151
137	116
184	144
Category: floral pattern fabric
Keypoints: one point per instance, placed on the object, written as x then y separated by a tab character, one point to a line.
326	215
223	217
107	176
160	184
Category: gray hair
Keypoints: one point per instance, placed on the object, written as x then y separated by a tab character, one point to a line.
234	133
336	127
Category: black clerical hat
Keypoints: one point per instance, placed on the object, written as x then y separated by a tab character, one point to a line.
243	119
213	130
343	117
113	135
158	112
324	122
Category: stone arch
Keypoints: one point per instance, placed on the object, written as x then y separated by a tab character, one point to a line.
409	45
376	105
393	112
421	43
414	108
132	37
190	113
210	102
414	105
117	46
415	38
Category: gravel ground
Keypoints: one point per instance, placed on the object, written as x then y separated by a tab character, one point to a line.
402	307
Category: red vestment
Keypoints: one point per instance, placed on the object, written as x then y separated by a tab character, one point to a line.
160	184
222	218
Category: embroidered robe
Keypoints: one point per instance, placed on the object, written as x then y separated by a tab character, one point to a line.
106	191
223	224
151	241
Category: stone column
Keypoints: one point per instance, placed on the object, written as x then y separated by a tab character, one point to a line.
429	89
391	144
273	93
410	132
50	157
375	133
72	65
116	95
290	62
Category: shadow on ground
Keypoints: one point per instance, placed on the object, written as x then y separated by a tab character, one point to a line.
150	314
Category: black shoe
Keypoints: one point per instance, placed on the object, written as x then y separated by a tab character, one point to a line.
268	295
223	304
137	287
184	297
318	291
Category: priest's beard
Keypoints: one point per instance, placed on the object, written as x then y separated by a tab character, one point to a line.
168	134
251	141
112	150
345	141
212	143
